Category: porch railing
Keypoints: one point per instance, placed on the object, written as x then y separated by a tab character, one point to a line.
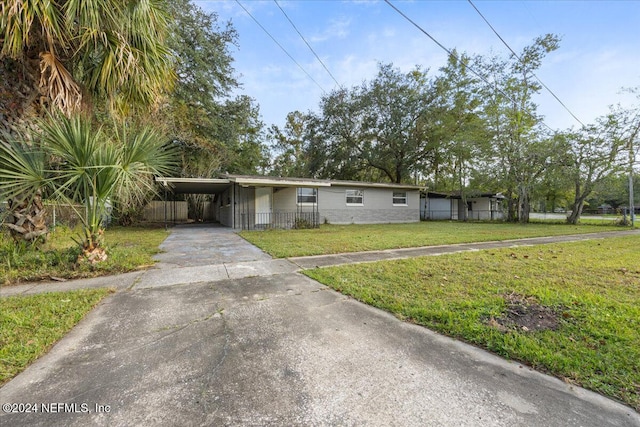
282	220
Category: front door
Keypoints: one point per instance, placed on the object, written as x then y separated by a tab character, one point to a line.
263	205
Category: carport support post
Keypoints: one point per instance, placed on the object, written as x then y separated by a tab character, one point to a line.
165	209
233	206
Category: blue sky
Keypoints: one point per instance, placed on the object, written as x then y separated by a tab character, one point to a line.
599	51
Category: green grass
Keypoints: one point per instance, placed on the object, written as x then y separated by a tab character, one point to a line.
129	248
331	239
593	287
31	325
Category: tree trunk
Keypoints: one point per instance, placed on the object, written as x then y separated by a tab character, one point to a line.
525	207
26	219
576	210
578	203
512	207
20	97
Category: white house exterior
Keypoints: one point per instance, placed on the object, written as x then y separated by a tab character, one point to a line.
256	202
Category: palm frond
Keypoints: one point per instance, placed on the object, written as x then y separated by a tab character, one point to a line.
59	84
20	20
21	167
143	154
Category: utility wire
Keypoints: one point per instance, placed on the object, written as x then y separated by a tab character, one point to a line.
280	46
305	41
452	54
520	59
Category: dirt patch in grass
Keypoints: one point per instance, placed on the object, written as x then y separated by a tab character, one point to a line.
526	314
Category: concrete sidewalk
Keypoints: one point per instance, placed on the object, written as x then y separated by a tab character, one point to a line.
388	254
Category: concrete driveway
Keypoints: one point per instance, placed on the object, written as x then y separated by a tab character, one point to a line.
280	349
205	252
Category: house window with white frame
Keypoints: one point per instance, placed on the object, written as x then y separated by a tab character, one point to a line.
307	195
399	198
355	197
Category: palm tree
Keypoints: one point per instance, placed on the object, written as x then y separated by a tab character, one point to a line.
86	167
109	49
72	55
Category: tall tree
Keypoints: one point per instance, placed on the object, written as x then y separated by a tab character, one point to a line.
244	150
378	129
598	151
205	75
395	118
201	114
460	135
333	136
290	147
520	154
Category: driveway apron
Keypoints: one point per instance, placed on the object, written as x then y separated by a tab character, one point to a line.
276	349
205	244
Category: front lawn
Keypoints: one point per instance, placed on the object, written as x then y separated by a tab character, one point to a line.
129	248
332	239
570	309
30	325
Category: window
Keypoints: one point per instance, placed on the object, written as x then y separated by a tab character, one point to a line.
400	198
355	197
307	195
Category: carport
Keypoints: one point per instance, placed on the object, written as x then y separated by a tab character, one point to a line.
247	202
212	186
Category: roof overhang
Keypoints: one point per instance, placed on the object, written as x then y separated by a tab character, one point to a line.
376	185
257	181
457	196
219	185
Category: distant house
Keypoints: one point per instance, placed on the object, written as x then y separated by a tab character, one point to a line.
449	206
258	202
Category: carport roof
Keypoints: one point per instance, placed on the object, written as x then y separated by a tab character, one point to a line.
194	185
219	185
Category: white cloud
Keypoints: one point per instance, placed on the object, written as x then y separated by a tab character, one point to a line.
337	29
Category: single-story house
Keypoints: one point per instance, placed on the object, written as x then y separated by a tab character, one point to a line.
449	206
255	202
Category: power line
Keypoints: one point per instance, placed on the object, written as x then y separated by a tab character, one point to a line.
452	54
305	41
520	59
280	46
